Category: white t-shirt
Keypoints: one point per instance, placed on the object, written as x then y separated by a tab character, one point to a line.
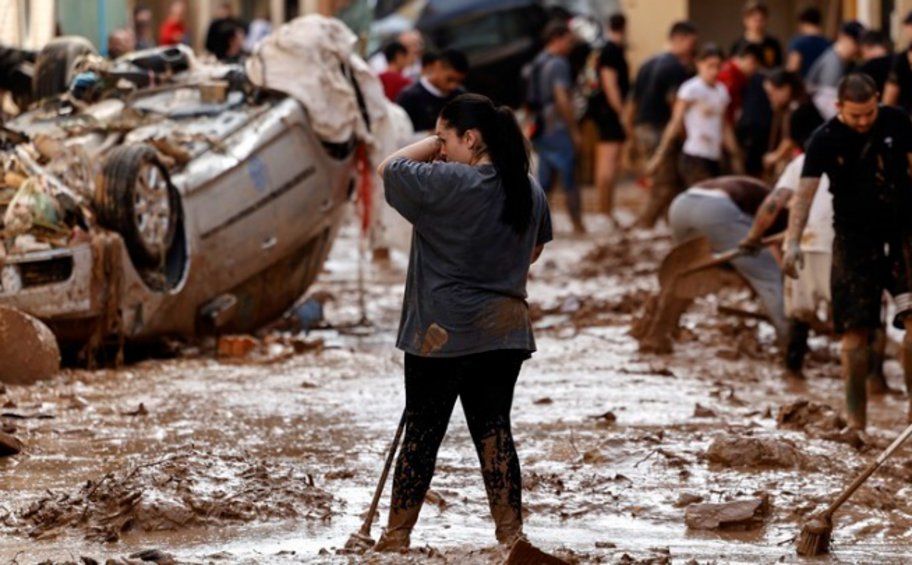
703	120
818	235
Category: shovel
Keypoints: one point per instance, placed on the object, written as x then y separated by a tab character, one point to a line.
28	349
696	255
362	540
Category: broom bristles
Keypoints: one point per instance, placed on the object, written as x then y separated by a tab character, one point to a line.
814	538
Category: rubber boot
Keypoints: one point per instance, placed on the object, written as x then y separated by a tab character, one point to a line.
856	363
503	486
796	348
905	357
877	381
397	535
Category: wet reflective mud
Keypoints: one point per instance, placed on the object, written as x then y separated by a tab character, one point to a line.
272	458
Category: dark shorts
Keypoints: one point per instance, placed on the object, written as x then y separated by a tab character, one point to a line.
695	169
607	121
864	266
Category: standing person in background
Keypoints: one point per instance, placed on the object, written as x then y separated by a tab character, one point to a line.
736	74
876	57
215	34
392	78
809	44
796	118
606	107
753	126
835	63
557	136
173	30
755	17
479	221
654	91
699	113
441	82
898	91
142	27
414	43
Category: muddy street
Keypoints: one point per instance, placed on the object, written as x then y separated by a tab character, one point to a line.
626	457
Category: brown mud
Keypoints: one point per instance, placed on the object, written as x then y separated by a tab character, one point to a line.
273	457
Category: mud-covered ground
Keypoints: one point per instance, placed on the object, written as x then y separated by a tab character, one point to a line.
273	458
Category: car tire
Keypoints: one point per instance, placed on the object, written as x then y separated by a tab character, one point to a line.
138	201
56	63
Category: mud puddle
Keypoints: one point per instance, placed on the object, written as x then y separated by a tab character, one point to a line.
273	459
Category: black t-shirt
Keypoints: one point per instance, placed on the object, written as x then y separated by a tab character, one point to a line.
612	57
772	50
654	91
901	76
422	106
802	122
868	172
878	69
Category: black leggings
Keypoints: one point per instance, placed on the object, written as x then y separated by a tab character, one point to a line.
484	383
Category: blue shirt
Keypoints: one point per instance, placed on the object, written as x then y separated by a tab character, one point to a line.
810	47
465	291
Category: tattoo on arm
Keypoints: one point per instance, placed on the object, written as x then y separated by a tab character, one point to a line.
801	208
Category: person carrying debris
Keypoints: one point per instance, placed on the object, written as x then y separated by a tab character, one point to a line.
479	221
865	151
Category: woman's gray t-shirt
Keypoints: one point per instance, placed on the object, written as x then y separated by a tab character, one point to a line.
466	287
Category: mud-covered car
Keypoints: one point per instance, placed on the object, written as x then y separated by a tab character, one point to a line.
186	204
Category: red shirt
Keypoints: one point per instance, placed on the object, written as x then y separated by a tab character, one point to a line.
393	83
172	32
735	81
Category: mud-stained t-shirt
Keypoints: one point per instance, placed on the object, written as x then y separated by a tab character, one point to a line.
868	172
465	291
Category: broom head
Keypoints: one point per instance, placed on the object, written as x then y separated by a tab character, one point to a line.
814	538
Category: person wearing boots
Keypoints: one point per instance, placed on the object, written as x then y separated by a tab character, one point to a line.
865	151
479	221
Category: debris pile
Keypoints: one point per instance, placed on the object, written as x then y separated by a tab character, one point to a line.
176	492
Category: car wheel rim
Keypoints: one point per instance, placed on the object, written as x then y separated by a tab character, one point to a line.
152	207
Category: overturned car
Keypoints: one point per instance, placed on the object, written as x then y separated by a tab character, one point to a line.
185	201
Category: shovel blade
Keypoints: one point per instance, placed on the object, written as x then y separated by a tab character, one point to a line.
524	553
28	349
682	257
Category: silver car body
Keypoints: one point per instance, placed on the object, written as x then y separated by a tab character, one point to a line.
262	201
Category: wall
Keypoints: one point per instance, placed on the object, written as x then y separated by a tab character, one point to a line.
647	25
86	18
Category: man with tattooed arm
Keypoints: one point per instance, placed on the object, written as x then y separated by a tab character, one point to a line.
865	151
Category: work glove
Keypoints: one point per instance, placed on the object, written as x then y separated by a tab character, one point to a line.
750	245
793	260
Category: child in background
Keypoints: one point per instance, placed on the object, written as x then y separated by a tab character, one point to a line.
699	112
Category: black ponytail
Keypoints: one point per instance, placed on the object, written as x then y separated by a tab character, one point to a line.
506	146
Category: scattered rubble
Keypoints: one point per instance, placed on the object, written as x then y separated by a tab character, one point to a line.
9	445
745	514
754	452
195	488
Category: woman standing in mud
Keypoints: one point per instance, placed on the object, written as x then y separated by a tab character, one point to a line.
479	222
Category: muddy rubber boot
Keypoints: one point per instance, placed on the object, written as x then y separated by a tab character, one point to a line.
398	532
796	348
855	363
905	357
